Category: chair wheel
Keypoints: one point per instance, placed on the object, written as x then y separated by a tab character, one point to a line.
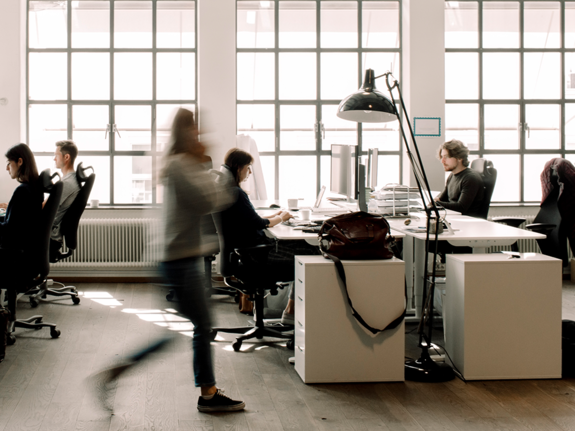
213	335
10	339
54	333
76	300
237	345
38	320
237	299
33	303
290	345
170	296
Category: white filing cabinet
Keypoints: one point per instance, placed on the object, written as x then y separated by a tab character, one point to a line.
503	316
330	345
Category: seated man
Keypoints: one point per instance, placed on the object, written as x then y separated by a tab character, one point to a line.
64	157
464	189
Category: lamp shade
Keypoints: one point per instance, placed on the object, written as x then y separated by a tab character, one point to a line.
367	105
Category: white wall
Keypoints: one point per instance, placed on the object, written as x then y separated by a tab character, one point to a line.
12	84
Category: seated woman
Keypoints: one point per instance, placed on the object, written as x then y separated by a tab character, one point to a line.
18	231
244	227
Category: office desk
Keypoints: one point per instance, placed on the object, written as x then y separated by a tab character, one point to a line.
469	231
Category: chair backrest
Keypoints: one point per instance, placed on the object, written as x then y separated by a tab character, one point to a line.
489	175
71	219
40	260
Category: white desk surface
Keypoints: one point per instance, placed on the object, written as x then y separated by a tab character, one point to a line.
467	229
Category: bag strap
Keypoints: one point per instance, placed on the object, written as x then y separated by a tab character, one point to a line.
354	312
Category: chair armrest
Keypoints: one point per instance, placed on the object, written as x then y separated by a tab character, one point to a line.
541	227
510	221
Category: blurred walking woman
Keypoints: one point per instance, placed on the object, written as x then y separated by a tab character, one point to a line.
17	231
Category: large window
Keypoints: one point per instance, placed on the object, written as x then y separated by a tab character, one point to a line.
296	60
510	87
110	74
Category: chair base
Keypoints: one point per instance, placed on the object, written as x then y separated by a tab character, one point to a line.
43	291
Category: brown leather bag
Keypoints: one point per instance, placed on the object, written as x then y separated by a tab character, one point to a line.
356	236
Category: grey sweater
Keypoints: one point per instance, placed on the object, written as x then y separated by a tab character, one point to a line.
463	193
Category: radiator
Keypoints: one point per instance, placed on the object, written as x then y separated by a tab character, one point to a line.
525	245
116	243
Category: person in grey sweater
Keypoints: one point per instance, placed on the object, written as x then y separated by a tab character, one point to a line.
464	189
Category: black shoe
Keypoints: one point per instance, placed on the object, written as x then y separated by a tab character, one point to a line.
220	403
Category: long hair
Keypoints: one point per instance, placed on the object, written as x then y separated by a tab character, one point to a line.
235	160
183	135
28	172
455	149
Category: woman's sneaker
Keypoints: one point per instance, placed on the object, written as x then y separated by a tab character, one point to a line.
219	403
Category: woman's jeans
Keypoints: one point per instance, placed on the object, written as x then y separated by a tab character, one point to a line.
187	277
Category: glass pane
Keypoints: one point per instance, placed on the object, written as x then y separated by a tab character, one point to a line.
461	29
500	75
383	136
382	62
90	24
462	123
533	166
298	176
569	24
297	75
570	126
373	34
258	121
542	25
90	76
501	127
47	124
269	170
544	123
338	75
542	75
134	131
337	131
164	117
175	24
297	24
47	74
338	24
297	128
175	75
256	76
89	124
132	24
507	185
133	76
47	24
387	170
500	24
132	179
461	75
46	162
255	24
101	165
569	75
570	157
325	174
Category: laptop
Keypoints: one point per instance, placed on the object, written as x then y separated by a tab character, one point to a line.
318	209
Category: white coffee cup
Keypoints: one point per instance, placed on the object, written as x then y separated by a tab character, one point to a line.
94	203
292	203
305	214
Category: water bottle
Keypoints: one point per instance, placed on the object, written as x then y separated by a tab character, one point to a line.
372	207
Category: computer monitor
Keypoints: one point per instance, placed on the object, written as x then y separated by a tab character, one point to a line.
372	157
343	170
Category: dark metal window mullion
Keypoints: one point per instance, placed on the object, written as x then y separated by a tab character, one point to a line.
318	109
112	114
154	98
481	105
562	138
277	124
522	107
70	120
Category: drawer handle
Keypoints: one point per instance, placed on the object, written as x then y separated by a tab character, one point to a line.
300	349
299	323
299	262
300	281
299	297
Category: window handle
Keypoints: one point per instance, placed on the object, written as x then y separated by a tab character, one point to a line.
117	131
107	131
528	130
322	127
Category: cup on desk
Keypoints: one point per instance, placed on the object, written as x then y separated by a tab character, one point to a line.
292	203
94	203
305	214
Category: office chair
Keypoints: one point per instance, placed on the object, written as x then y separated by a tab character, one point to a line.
244	270
37	264
489	175
69	230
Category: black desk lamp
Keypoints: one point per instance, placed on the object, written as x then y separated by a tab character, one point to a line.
368	105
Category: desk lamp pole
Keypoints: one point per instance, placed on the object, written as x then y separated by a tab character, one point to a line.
352	108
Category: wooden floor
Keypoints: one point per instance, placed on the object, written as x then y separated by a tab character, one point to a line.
43	382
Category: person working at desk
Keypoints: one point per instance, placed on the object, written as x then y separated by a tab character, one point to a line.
244	227
18	231
464	188
64	157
